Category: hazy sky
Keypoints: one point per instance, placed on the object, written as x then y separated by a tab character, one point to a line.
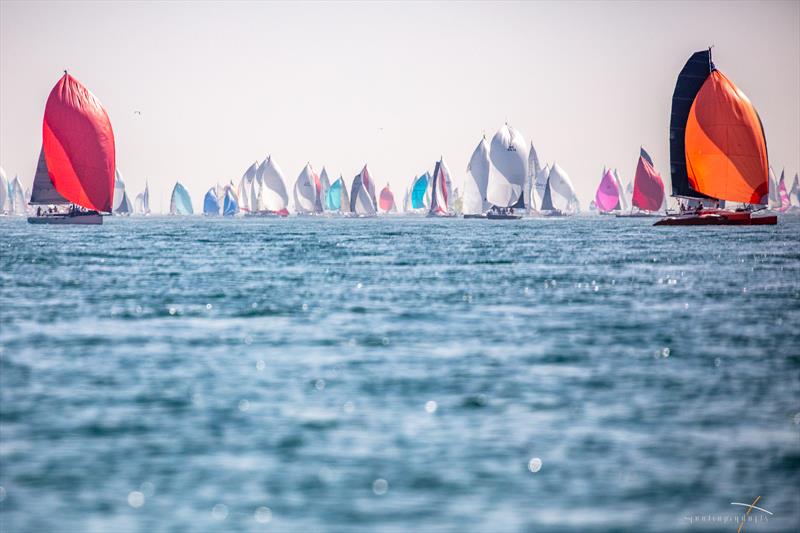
395	85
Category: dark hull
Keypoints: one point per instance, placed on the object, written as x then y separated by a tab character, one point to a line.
498	216
474	216
718	218
92	219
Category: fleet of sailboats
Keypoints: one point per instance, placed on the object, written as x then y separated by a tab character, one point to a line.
77	181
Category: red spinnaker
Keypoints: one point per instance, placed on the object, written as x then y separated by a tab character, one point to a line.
79	145
648	189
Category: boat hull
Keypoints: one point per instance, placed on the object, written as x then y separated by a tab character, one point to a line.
498	216
718	218
639	215
474	216
93	219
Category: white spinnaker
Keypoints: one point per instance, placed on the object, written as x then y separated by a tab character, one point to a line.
3	192
623	200
509	157
561	189
448	181
17	197
119	190
364	205
305	191
774	195
245	186
254	195
325	185
534	168
275	196
474	202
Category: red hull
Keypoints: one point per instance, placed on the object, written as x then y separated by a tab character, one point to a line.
718	218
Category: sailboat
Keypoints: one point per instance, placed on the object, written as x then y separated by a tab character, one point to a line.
306	192
180	202
419	194
508	170
623	200
386	201
246	185
606	199
77	160
648	189
337	198
4	196
786	202
794	193
141	205
708	162
325	185
17	197
122	204
211	203
440	193
362	201
230	204
774	199
271	197
559	194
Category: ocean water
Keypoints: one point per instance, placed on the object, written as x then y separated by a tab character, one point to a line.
584	374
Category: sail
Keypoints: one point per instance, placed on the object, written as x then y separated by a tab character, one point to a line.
690	79
540	183
180	203
245	189
120	198
317	194
418	190
360	200
786	203
369	186
547	197
386	201
648	188
275	198
439	194
794	193
44	192
333	200
726	151
305	191
230	205
325	186
508	170
607	196
448	182
623	200
476	181
3	192
774	199
561	189
211	202
534	168
17	195
78	145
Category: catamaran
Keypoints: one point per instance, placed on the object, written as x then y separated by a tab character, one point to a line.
475	204
386	201
648	189
508	170
708	163
180	202
77	161
362	195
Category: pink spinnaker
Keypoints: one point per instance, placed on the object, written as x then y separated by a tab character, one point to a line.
607	196
648	189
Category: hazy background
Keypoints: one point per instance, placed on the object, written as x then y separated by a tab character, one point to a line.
220	85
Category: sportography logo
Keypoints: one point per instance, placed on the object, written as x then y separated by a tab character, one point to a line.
740	519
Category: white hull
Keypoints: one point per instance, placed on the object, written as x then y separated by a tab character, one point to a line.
84	220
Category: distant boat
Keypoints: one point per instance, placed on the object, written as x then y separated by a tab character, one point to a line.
4	193
708	164
337	198
794	193
508	169
122	204
606	199
141	204
534	169
230	205
559	195
623	200
648	188
386	201
17	197
180	202
246	187
774	200
786	202
77	161
362	202
325	185
440	195
211	203
271	197
419	193
306	192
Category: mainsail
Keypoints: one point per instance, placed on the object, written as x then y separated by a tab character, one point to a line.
648	188
78	146
607	196
180	203
386	201
44	192
477	178
305	191
211	202
623	200
508	170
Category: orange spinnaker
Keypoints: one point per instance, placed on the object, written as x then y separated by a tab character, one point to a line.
726	154
79	145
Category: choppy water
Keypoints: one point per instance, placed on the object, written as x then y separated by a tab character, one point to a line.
398	374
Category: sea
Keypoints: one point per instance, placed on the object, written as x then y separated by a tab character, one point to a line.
399	374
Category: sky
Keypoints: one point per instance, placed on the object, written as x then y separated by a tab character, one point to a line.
393	85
